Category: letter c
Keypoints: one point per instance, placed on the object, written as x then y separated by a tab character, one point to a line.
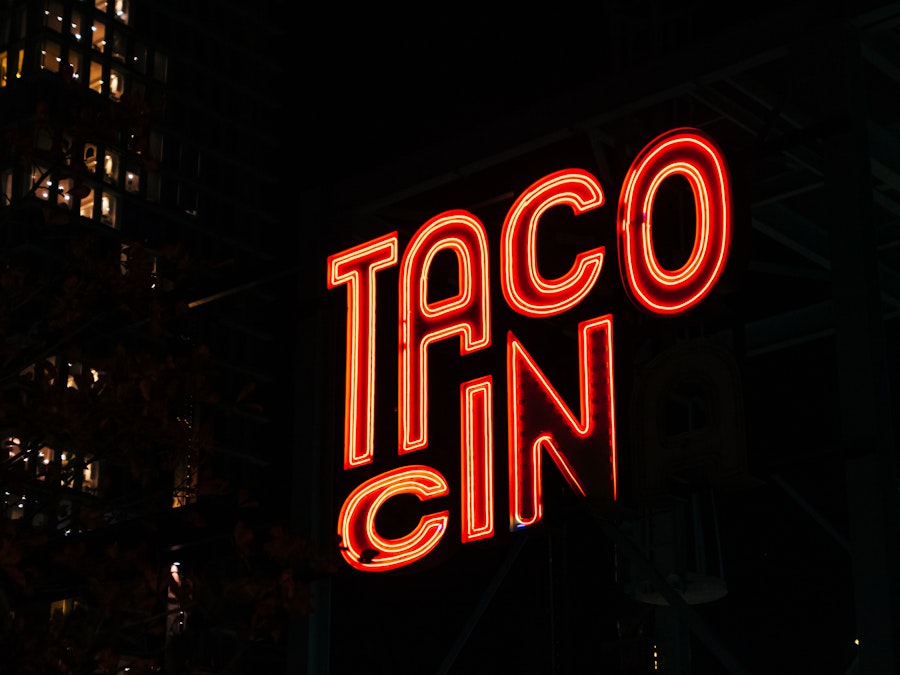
362	546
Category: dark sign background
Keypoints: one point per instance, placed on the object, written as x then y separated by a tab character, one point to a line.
773	401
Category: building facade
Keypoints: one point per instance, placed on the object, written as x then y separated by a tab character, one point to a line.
137	171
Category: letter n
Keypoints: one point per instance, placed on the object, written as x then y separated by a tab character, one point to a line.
583	448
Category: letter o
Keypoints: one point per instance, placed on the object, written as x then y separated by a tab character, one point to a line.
692	154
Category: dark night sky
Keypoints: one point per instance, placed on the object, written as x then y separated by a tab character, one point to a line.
384	88
373	87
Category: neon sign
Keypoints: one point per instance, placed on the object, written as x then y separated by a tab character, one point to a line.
582	443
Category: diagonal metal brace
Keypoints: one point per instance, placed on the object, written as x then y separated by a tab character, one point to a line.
672	596
486	598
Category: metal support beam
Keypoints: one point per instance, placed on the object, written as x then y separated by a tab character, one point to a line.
811	241
683	610
812	511
309	648
866	415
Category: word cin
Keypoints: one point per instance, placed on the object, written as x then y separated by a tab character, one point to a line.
582	445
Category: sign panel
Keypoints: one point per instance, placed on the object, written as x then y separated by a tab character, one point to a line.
580	441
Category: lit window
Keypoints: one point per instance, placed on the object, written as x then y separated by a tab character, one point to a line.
64	191
111	166
122	10
86	208
79	373
75	62
13	446
132	181
6	185
53	15
50	189
90	156
118	45
116	84
10	66
41	179
63	607
77	25
91	477
108	210
98	35
101	5
50	56
46	457
96	81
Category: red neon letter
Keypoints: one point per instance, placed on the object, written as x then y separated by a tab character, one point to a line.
477	460
692	154
584	450
368	551
466	314
356	267
525	290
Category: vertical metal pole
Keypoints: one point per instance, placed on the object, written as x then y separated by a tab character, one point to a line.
670	555
672	641
310	638
699	538
866	420
551	581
